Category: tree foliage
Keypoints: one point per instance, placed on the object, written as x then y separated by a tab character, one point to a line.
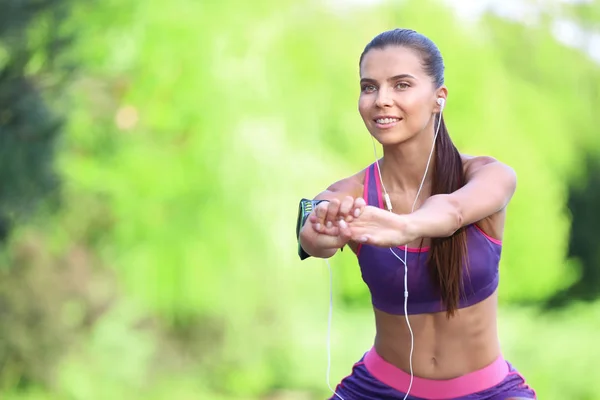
194	131
32	72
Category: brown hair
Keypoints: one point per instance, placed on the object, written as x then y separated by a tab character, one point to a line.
447	255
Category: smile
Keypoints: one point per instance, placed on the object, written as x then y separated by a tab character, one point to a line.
387	122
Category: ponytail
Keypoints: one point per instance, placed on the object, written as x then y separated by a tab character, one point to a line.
447	255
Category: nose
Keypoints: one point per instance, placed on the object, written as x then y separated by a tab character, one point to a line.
383	98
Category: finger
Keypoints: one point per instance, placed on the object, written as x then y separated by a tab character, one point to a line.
332	231
364	239
326	229
315	221
359	205
359	202
344	230
346	206
332	210
321	211
331	241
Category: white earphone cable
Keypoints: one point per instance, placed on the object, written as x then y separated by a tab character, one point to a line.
389	207
412	336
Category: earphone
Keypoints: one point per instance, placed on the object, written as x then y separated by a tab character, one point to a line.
441	102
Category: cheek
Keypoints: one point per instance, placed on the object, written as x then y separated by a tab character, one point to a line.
364	105
410	102
416	106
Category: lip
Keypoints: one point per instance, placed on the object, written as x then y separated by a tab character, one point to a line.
386	126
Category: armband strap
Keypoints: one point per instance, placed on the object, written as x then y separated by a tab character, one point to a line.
304	209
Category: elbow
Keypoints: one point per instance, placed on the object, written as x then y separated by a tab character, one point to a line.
458	220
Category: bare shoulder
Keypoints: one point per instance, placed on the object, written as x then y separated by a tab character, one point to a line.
473	164
351	186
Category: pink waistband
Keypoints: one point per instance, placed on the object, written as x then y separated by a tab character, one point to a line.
393	376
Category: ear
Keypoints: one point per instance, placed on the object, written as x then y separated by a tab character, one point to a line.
442	92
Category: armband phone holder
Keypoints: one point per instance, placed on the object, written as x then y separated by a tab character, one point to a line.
304	209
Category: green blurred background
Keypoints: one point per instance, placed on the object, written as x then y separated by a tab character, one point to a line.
152	155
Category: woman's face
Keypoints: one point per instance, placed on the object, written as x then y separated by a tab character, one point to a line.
397	98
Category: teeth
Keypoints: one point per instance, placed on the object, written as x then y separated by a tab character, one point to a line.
386	120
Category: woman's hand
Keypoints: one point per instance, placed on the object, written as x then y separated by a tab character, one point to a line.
377	227
327	215
320	236
352	220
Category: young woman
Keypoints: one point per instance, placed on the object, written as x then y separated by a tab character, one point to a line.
440	212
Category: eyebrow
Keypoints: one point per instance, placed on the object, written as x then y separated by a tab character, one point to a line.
393	78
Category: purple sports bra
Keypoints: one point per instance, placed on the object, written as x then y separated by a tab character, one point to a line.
384	273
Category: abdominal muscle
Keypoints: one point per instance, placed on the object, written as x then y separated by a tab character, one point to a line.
443	348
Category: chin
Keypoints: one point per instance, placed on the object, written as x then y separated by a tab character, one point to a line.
391	138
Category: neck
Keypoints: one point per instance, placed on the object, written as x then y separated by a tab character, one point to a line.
403	165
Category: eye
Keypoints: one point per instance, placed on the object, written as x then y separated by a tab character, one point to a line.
368	88
402	85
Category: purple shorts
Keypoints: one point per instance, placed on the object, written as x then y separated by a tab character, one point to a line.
373	378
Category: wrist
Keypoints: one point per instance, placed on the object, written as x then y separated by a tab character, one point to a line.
406	227
318	245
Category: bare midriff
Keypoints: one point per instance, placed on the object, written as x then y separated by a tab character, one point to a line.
444	348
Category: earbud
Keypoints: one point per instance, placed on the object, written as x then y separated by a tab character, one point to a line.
441	101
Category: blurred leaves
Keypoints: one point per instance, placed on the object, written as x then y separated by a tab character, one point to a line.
586	13
46	302
32	72
169	271
584	202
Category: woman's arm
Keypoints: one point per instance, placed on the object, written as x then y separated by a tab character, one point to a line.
490	186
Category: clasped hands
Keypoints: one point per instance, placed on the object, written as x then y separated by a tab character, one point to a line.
353	220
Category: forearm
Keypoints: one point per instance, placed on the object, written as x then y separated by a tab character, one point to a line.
439	216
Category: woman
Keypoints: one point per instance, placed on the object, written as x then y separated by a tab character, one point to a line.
446	221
